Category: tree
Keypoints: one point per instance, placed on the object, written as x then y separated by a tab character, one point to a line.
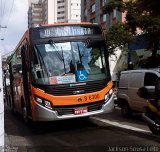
118	37
142	14
145	15
114	4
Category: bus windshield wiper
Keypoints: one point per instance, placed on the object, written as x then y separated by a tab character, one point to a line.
63	61
80	65
61	57
57	51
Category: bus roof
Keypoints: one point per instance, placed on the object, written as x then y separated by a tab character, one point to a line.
68	23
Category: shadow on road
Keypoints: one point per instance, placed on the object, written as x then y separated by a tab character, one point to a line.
14	125
78	135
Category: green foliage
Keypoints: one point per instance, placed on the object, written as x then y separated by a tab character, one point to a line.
112	4
142	14
145	15
117	36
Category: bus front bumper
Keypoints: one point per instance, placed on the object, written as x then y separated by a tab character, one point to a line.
42	113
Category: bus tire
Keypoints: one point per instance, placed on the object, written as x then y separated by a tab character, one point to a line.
12	105
25	115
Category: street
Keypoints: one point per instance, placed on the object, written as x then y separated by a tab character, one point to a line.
79	135
68	59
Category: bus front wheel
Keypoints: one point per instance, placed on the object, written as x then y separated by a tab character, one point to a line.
25	115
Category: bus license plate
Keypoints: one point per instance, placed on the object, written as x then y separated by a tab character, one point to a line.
78	111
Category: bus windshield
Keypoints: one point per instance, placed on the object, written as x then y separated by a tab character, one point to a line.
68	62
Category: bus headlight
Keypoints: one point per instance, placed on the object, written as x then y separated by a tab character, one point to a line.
108	95
39	100
47	104
44	102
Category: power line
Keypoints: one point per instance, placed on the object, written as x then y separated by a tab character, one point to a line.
2	7
10	12
1	11
7	19
9	53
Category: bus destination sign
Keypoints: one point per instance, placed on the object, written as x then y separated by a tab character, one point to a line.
60	31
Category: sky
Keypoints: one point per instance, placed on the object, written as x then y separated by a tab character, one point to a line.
13	14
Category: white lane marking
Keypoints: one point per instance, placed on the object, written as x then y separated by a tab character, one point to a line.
120	125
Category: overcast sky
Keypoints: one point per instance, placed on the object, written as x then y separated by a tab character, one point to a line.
13	14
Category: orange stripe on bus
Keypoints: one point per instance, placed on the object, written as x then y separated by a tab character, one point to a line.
72	99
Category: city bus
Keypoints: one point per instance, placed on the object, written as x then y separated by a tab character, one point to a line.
60	71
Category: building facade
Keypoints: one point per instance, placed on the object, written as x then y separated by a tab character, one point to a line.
73	11
53	11
35	13
92	11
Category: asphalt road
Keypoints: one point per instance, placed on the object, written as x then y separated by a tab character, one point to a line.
96	134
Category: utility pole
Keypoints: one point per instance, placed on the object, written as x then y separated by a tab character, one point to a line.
1	108
1	103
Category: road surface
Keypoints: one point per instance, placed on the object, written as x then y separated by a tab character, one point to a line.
103	133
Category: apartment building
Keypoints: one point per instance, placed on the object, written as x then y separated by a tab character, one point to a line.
73	10
92	11
54	11
35	13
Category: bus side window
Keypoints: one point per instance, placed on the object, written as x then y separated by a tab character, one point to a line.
24	50
25	63
35	65
17	68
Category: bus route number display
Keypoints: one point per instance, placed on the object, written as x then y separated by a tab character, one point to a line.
66	31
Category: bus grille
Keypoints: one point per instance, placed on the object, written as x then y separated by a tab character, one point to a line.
70	110
65	89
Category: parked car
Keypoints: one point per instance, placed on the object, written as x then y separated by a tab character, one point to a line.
129	83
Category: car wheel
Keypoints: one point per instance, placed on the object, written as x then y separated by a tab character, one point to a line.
126	111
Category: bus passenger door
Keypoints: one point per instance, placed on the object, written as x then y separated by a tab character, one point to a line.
11	101
26	82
